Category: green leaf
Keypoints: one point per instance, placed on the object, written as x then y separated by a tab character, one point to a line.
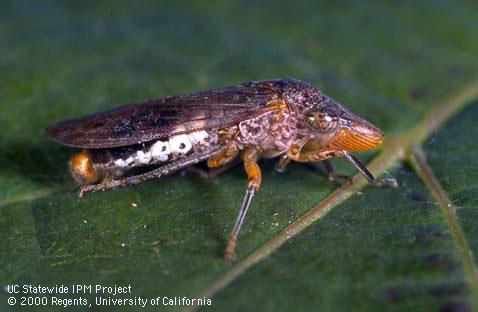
391	63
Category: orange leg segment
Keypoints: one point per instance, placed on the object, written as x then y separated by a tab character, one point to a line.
223	156
250	156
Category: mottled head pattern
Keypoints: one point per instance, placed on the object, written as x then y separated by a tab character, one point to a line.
328	125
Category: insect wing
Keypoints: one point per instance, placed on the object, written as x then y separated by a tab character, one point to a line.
158	118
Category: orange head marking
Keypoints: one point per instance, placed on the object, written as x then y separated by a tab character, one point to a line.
82	169
359	137
337	129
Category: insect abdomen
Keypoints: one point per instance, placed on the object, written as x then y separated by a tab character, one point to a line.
115	162
170	149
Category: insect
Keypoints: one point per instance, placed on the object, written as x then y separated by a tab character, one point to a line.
286	119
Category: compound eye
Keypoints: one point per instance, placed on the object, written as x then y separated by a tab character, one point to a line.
324	119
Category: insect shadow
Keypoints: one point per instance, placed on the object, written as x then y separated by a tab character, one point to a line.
40	163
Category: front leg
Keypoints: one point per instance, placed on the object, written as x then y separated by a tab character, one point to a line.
250	156
308	156
390	182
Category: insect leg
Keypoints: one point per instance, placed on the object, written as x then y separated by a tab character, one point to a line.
136	179
213	172
282	163
391	182
332	175
224	155
250	157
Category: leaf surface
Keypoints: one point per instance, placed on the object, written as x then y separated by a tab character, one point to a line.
391	63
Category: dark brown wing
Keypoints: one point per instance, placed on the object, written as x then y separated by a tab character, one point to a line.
154	119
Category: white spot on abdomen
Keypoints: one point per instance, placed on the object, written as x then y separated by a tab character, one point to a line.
180	144
160	150
124	162
198	137
142	158
120	163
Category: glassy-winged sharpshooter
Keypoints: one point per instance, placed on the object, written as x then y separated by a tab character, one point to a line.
284	118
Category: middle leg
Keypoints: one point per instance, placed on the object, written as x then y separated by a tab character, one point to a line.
250	156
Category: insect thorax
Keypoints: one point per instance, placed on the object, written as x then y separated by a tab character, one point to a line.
272	133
